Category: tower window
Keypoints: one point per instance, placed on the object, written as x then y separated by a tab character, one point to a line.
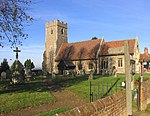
62	31
52	31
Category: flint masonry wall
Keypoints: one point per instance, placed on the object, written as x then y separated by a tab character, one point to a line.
145	94
114	105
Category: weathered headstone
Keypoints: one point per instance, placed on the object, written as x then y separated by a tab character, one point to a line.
103	71
3	75
90	76
110	71
17	78
18	72
28	74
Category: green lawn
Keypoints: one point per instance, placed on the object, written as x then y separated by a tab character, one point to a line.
83	88
35	92
53	112
26	95
81	85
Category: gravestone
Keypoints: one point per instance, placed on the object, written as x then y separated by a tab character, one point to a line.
90	76
103	72
114	72
18	73
3	75
28	74
110	71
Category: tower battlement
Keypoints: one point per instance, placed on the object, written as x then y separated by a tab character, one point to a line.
56	22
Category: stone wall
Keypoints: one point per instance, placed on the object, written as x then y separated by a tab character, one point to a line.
114	105
145	94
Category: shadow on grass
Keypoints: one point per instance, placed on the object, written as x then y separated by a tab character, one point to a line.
59	83
37	85
45	84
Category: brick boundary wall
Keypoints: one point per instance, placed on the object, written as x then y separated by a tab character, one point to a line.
145	94
114	105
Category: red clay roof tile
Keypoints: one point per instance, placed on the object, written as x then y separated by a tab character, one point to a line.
144	58
78	50
107	46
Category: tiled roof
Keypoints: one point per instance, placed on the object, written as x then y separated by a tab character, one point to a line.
78	50
144	58
116	47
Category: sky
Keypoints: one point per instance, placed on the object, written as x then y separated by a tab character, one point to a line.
111	19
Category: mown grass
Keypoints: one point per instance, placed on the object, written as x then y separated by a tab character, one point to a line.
29	94
53	112
81	85
83	88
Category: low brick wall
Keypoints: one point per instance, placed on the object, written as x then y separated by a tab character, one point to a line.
114	105
145	94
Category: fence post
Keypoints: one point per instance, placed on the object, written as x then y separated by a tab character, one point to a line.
90	91
139	94
128	79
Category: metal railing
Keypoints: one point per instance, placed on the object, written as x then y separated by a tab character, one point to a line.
101	90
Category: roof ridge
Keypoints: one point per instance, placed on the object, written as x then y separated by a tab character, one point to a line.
119	40
86	41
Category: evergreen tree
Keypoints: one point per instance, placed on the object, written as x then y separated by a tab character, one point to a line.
4	65
94	38
28	64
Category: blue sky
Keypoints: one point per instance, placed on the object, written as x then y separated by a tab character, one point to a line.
112	19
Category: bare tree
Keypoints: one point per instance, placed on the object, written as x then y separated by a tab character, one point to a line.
13	19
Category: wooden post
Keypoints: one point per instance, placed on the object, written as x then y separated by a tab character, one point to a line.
128	79
142	71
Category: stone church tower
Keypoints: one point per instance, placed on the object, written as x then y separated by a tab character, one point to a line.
56	34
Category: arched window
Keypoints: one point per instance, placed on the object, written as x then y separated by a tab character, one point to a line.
52	31
62	31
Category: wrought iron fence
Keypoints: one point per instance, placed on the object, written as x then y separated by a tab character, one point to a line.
101	90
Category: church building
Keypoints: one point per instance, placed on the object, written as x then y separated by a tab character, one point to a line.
85	56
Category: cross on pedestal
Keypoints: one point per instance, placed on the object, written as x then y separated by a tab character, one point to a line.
17	51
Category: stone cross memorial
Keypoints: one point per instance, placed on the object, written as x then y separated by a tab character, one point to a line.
17	76
17	51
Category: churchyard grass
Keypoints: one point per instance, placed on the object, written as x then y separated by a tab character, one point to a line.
53	112
81	85
83	88
29	94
